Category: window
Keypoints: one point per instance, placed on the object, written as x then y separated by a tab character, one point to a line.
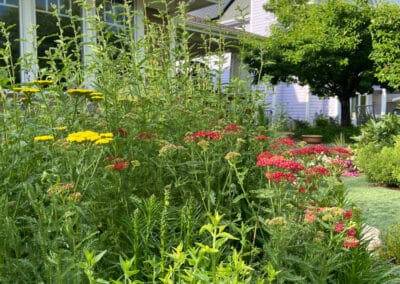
47	6
9	14
48	31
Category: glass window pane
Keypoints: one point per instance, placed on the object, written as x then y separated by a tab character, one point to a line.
12	2
41	4
10	16
48	32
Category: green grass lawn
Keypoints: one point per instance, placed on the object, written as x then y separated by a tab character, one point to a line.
380	205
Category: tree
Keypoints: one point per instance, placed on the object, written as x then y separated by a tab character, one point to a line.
385	30
325	46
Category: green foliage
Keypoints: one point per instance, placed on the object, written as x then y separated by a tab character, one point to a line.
391	240
379	164
325	45
377	150
381	132
385	26
131	187
328	128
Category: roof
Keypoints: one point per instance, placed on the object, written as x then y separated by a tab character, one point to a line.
212	12
236	9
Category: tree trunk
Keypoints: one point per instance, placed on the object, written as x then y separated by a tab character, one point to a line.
345	111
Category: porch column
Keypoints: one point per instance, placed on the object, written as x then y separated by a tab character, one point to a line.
358	100
383	102
273	104
27	22
89	38
307	114
338	109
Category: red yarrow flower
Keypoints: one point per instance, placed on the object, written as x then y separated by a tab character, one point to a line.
212	135
280	176
302	189
309	216
317	171
339	226
351	242
340	151
311	150
286	142
281	163
348	214
123	131
121	166
145	135
232	128
351	232
262	158
261	137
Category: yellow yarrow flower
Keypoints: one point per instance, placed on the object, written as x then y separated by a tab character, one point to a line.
44	138
60	128
77	92
26	90
83	136
42	82
107	135
97	98
103	141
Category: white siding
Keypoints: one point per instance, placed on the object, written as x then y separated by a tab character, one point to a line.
260	20
291	98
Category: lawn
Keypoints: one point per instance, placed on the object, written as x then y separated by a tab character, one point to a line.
380	205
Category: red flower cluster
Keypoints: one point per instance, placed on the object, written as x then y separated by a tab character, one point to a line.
280	162
263	156
317	171
279	176
261	137
339	151
348	214
212	135
121	166
117	163
339	226
286	142
351	242
123	131
311	150
232	128
309	216
145	135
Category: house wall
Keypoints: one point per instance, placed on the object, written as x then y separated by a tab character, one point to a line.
290	98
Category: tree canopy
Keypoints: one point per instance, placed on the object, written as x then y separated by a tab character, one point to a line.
385	30
325	46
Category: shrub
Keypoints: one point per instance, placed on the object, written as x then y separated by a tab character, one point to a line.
391	241
327	127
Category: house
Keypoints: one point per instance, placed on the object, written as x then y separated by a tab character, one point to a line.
24	16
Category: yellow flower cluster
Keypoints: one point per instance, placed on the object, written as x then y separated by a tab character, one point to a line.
42	82
129	100
96	96
26	90
60	128
78	92
44	138
90	136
